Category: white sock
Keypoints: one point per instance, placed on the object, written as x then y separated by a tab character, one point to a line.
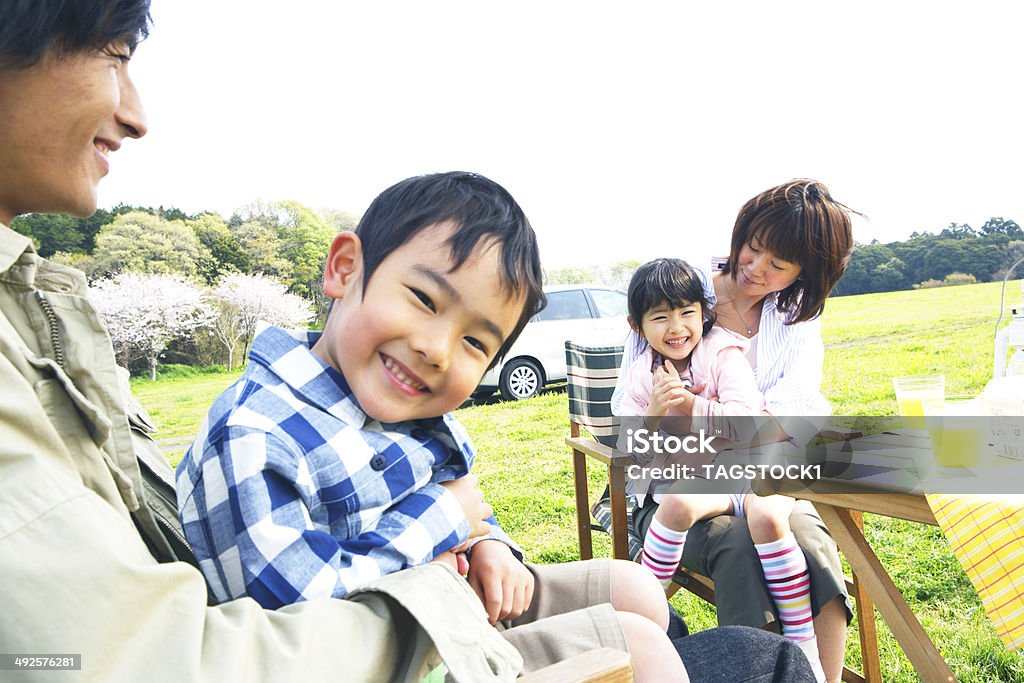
810	650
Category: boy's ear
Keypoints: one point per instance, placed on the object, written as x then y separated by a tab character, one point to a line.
344	264
629	319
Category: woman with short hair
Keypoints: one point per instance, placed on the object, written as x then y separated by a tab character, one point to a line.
790	246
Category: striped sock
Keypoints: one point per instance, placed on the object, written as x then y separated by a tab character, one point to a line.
663	548
785	570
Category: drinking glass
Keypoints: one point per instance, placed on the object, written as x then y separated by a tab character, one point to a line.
911	391
958	429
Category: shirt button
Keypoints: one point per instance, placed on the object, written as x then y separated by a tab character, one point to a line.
378	463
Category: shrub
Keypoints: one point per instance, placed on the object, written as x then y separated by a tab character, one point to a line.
954	279
951	280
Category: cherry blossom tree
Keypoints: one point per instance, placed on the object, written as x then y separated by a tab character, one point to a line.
145	313
243	300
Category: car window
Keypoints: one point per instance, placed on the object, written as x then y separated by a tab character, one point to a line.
565	306
610	304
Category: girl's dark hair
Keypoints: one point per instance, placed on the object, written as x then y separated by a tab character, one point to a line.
798	222
480	209
28	28
669	281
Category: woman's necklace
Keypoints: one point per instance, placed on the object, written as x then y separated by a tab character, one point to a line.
743	321
750	329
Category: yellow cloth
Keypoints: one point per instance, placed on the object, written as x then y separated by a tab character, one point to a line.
987	536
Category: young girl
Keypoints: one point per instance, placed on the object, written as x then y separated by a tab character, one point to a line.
668	308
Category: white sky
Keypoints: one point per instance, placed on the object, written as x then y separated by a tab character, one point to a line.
625	130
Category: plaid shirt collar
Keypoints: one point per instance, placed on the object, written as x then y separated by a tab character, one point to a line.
288	355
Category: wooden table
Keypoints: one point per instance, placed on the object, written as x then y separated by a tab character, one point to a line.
840	504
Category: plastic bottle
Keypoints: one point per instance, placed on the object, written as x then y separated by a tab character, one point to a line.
1004	399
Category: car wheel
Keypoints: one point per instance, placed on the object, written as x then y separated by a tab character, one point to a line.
520	379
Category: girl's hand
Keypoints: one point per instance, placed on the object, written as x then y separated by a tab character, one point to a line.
669	392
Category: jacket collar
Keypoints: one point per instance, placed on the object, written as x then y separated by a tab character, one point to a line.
12	246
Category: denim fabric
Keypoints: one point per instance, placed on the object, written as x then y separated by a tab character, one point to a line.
677	628
740	654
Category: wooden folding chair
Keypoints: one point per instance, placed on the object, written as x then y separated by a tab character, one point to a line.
591	373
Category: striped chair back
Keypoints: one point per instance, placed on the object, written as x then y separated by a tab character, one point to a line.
591	372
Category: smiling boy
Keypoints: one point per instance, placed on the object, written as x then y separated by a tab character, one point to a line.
335	450
335	460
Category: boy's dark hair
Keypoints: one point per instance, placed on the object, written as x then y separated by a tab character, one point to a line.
798	222
668	281
28	28
480	209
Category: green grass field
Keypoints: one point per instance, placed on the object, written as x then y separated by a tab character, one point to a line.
524	465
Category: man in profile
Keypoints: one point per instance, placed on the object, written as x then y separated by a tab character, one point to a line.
79	542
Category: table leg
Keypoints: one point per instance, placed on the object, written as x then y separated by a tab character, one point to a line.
866	617
894	609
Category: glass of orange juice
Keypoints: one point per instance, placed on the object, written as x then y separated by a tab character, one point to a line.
958	429
911	391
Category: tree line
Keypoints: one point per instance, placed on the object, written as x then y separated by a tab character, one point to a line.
191	287
957	254
284	240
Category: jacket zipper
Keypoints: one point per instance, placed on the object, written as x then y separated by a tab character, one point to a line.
51	320
58	356
170	527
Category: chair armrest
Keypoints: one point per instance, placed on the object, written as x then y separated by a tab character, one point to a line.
602	665
596	449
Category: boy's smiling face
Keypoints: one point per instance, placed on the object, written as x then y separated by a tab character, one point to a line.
416	340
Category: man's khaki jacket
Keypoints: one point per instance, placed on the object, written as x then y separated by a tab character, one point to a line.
76	576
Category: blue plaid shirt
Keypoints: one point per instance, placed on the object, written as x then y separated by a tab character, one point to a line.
291	492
